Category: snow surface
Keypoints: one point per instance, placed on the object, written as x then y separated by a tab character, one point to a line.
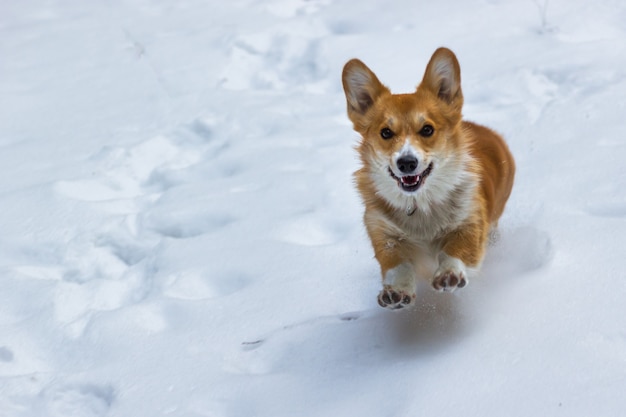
181	236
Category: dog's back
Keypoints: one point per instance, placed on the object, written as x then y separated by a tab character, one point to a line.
497	166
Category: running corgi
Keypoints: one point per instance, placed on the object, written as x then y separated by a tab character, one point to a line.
433	185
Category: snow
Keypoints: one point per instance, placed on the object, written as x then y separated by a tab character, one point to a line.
181	235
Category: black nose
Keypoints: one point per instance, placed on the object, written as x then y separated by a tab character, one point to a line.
407	164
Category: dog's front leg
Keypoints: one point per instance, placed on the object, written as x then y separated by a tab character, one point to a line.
463	248
398	287
393	255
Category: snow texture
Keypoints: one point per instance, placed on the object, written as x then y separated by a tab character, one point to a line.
181	235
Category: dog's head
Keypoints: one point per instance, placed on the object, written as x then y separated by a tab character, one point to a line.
409	140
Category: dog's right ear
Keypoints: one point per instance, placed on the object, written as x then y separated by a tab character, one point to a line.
362	88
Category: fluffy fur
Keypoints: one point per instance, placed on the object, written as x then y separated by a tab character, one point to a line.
433	185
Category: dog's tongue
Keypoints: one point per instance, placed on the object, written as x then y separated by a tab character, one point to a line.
410	179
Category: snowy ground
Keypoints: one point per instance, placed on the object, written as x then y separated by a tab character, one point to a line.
180	234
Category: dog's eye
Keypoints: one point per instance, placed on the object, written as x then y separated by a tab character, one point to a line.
427	131
386	133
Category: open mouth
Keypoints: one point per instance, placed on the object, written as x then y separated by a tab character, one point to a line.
411	183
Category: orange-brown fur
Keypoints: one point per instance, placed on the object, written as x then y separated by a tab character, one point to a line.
457	204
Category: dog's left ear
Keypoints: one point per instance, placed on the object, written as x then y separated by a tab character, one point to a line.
443	78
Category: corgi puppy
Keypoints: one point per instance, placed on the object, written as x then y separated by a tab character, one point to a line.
433	185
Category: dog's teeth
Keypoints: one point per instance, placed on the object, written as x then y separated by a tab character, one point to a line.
410	180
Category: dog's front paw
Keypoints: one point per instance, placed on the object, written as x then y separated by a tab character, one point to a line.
449	280
395	299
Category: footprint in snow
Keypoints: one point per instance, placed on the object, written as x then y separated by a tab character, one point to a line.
541	89
100	273
309	230
6	354
85	400
174	221
121	173
275	61
200	285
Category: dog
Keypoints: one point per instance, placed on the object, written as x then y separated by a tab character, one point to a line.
433	185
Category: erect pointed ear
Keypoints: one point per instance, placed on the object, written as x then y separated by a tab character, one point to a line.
443	77
361	86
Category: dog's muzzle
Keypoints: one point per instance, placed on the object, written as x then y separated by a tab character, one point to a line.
410	182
